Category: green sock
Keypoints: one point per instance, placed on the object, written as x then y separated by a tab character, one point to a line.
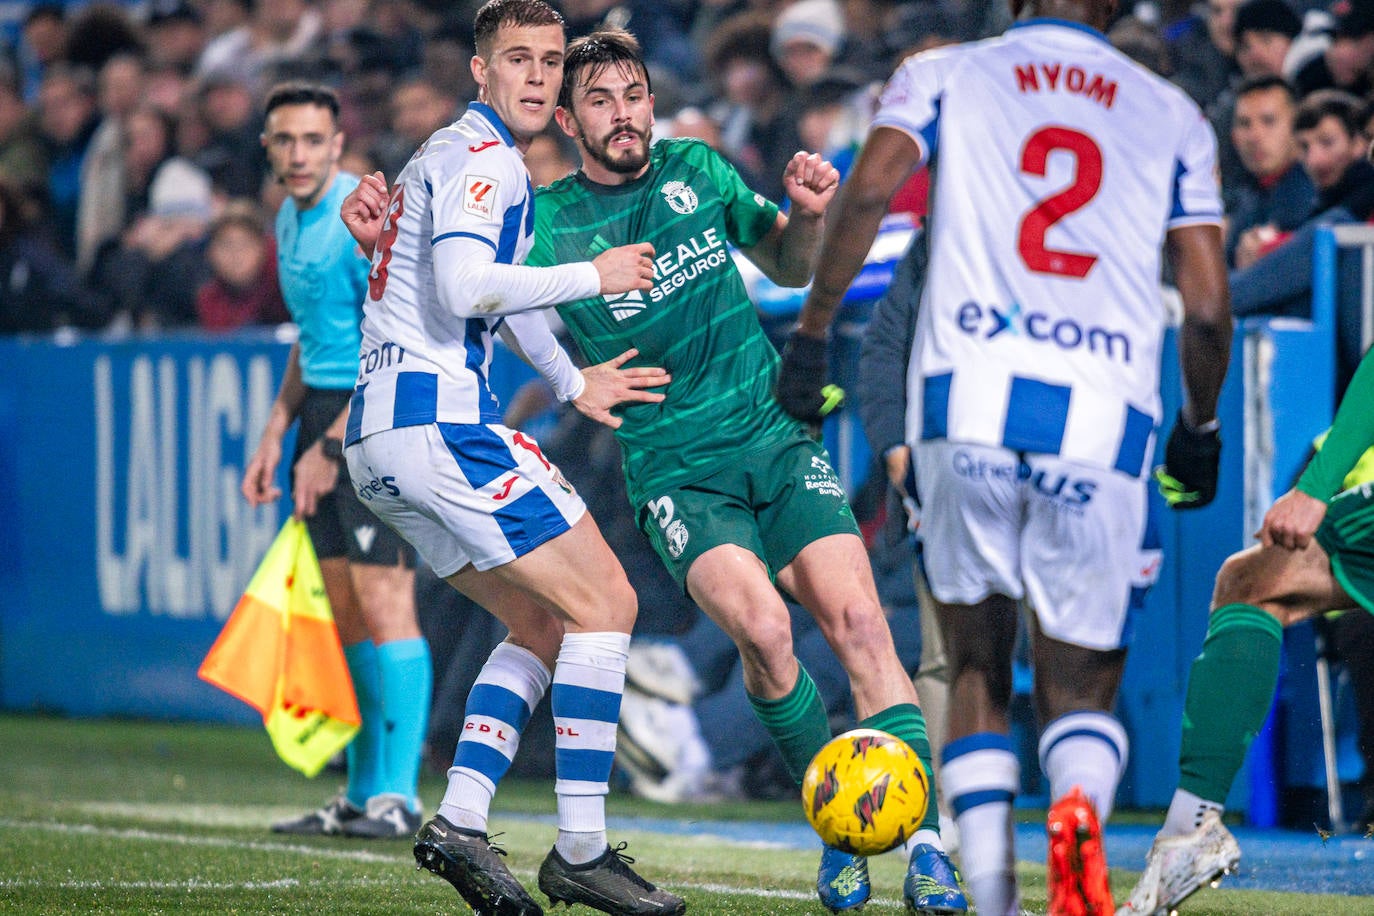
797	722
906	722
1230	691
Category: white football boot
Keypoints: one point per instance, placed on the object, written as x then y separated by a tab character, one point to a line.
1179	865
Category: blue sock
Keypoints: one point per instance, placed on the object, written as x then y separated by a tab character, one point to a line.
407	676
365	763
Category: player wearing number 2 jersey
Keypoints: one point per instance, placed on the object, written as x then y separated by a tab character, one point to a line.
1059	169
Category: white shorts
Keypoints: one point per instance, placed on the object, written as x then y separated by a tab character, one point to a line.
1064	536
463	493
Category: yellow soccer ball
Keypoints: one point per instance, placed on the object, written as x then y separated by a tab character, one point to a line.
865	792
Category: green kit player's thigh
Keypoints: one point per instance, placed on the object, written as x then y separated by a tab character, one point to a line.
772	503
1347	536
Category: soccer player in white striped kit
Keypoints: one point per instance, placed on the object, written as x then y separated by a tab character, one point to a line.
1060	167
478	500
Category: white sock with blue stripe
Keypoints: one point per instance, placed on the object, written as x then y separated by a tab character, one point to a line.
588	682
1085	749
499	705
980	777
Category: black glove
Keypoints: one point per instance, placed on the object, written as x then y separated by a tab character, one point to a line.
1188	477
802	377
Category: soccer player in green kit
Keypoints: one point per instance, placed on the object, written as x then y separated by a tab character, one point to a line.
733	494
1316	553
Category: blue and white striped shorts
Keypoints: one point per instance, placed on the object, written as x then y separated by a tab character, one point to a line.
463	493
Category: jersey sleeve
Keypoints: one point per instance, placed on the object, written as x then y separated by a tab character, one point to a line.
748	215
910	102
478	197
1196	198
1352	432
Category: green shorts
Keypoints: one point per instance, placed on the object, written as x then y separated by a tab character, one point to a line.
1347	536
772	503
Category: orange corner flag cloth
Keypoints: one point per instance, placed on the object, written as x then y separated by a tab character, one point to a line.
279	652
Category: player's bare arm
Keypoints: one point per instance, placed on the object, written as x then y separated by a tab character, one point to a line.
886	161
1292	520
787	254
609	384
1192	454
364	210
259	478
1205	337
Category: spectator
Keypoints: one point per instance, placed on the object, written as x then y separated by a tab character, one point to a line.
751	106
42	44
165	87
1204	57
99	32
23	160
663	24
232	153
159	265
222	17
1275	194
39	290
100	212
1332	148
176	36
877	32
418	109
1143	44
68	120
1263	32
277	31
806	38
1345	62
242	288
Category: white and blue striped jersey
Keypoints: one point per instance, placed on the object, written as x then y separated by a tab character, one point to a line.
422	361
1059	165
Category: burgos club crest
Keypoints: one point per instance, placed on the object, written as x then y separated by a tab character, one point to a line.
680	197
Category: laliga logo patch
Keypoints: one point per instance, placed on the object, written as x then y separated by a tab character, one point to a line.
680	197
478	194
676	534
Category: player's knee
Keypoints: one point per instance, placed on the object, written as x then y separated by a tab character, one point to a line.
620	605
764	640
542	637
1237	581
866	625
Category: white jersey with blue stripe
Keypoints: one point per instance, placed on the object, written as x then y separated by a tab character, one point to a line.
419	362
1059	165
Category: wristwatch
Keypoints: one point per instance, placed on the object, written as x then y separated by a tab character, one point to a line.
331	448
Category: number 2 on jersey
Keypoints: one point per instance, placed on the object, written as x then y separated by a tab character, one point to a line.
376	279
1087	179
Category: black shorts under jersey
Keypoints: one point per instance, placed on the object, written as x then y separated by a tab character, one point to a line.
342	526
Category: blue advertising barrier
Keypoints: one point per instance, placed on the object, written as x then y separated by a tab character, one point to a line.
127	542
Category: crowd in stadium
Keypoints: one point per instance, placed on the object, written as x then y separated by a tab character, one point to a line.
132	178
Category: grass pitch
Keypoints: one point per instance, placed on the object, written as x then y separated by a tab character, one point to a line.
136	817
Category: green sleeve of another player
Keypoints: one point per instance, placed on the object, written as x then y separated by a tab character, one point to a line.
1352	432
541	255
748	216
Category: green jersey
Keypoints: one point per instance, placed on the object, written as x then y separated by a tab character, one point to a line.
697	322
1352	433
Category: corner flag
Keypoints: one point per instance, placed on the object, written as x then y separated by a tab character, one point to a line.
279	652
